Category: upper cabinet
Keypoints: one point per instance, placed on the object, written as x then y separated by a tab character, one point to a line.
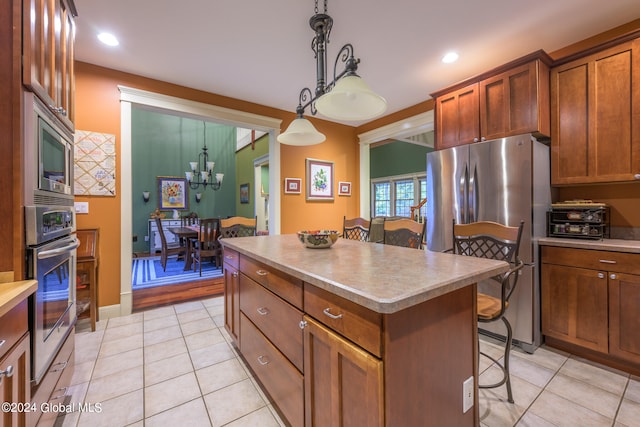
510	100
595	120
48	68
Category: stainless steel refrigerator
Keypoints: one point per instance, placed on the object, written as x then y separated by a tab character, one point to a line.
504	180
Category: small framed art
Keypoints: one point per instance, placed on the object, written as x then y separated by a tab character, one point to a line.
292	185
344	188
244	193
172	193
319	179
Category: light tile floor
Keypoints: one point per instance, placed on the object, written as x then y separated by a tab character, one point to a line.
175	366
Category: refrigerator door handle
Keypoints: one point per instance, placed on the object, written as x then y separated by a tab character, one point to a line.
473	196
463	196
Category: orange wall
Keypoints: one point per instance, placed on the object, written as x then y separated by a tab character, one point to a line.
98	109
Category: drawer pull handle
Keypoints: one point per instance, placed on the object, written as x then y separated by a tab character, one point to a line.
229	257
64	365
302	324
234	274
261	272
262	311
61	396
608	261
613	277
2	342
600	275
263	360
7	372
327	311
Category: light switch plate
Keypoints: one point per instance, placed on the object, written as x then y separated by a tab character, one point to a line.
82	207
467	394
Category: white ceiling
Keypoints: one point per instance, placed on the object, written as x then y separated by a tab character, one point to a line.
259	50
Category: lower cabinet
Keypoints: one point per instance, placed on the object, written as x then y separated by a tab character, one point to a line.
591	300
344	383
326	361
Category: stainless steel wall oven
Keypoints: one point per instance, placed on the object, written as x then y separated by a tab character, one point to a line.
51	260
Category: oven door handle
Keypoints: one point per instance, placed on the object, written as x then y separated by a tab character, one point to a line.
59	251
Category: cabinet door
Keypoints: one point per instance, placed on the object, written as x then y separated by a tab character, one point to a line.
48	55
510	103
595	126
624	321
232	301
574	306
16	388
457	117
343	383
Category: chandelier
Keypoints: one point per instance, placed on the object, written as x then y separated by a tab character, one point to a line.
202	171
346	97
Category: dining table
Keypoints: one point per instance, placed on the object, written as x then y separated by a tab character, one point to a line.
186	234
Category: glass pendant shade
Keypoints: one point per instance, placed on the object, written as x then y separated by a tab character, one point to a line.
301	132
351	99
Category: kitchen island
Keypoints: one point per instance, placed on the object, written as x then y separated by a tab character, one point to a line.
358	334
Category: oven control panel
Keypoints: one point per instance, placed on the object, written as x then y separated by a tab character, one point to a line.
46	223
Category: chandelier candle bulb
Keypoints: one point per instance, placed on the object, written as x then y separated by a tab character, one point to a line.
193	165
210	166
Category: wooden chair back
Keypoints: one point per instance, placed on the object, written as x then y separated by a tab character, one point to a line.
404	232
237	226
189	219
356	229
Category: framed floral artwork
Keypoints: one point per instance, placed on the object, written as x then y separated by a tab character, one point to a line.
344	188
319	179
172	193
292	185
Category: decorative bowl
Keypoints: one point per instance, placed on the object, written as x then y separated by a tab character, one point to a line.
318	239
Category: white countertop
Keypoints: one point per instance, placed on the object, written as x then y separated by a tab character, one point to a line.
383	278
616	245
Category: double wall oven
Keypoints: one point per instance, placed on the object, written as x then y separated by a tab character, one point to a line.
49	232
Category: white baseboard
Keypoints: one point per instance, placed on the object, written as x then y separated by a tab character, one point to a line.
109	311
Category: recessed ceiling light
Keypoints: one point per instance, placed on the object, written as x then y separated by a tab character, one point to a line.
108	39
450	57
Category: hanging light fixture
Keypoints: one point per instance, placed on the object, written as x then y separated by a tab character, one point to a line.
202	171
346	97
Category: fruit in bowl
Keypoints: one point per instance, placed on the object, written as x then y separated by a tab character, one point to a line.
318	239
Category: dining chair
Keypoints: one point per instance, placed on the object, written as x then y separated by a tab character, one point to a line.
404	232
356	228
486	239
187	220
167	249
237	226
206	244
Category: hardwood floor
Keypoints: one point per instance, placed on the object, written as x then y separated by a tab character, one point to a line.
173	294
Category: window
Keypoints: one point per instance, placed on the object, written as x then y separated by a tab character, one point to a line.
394	196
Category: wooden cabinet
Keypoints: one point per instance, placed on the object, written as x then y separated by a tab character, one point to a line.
231	293
590	299
510	100
326	360
48	54
343	383
87	274
15	365
595	120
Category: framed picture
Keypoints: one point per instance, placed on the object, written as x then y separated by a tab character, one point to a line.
173	193
319	179
244	193
344	188
292	185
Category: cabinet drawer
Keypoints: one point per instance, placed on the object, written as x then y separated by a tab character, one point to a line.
281	380
276	319
61	367
286	287
351	320
231	257
13	325
621	262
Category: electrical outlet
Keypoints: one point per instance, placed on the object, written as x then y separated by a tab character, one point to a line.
467	394
146	238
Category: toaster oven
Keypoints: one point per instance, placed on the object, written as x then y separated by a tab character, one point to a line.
578	219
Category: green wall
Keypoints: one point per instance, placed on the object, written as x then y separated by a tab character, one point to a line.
163	145
398	158
244	169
